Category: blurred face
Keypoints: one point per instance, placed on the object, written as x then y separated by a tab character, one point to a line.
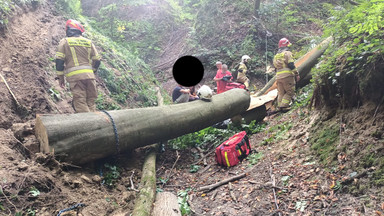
218	66
224	69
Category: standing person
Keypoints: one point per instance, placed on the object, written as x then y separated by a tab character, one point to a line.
180	94
242	71
285	75
222	77
219	65
77	59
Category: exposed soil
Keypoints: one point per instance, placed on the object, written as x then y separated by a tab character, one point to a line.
289	168
33	182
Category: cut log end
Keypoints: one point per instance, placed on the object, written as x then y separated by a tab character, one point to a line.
42	135
166	204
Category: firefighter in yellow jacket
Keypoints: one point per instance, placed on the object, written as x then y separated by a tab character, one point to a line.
242	71
77	59
285	75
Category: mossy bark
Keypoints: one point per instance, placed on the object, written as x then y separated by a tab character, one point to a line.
143	204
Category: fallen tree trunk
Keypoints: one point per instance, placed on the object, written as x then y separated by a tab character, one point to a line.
84	137
143	204
303	65
166	204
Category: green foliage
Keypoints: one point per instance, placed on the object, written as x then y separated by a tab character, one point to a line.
111	175
214	136
34	192
277	132
348	73
72	8
194	168
102	104
303	96
323	141
183	201
255	158
8	6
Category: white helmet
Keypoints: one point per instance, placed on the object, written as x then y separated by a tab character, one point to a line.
245	57
205	92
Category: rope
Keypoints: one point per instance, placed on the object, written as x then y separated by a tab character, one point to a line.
79	205
114	130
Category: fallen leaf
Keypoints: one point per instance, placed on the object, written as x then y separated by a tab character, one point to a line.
379	213
382	206
203	195
332	185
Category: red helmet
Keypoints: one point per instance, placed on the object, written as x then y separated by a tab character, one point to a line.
284	42
74	24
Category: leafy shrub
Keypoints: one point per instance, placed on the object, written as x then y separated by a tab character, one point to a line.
352	67
214	136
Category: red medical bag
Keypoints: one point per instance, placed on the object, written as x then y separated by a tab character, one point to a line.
233	150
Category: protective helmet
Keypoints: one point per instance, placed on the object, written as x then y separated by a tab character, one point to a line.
244	57
205	92
284	42
74	24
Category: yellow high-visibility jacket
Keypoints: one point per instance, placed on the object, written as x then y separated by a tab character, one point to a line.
242	76
281	61
78	54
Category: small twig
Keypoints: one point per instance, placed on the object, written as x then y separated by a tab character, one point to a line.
2	192
231	192
170	172
213	186
214	195
65	164
377	109
191	206
21	148
201	159
273	188
202	156
205	169
131	180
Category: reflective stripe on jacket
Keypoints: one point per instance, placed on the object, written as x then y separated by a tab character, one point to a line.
281	61
77	53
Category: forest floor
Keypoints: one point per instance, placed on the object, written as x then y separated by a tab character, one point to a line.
36	184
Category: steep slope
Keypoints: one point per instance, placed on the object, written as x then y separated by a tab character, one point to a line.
35	184
26	48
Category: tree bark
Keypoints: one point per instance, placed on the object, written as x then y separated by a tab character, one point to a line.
166	204
84	137
303	65
143	204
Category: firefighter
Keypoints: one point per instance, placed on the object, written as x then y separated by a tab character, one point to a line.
242	71
285	75
77	60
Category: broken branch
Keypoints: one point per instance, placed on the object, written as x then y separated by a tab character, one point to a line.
225	181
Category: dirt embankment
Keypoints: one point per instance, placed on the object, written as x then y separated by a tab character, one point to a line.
33	183
27	48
